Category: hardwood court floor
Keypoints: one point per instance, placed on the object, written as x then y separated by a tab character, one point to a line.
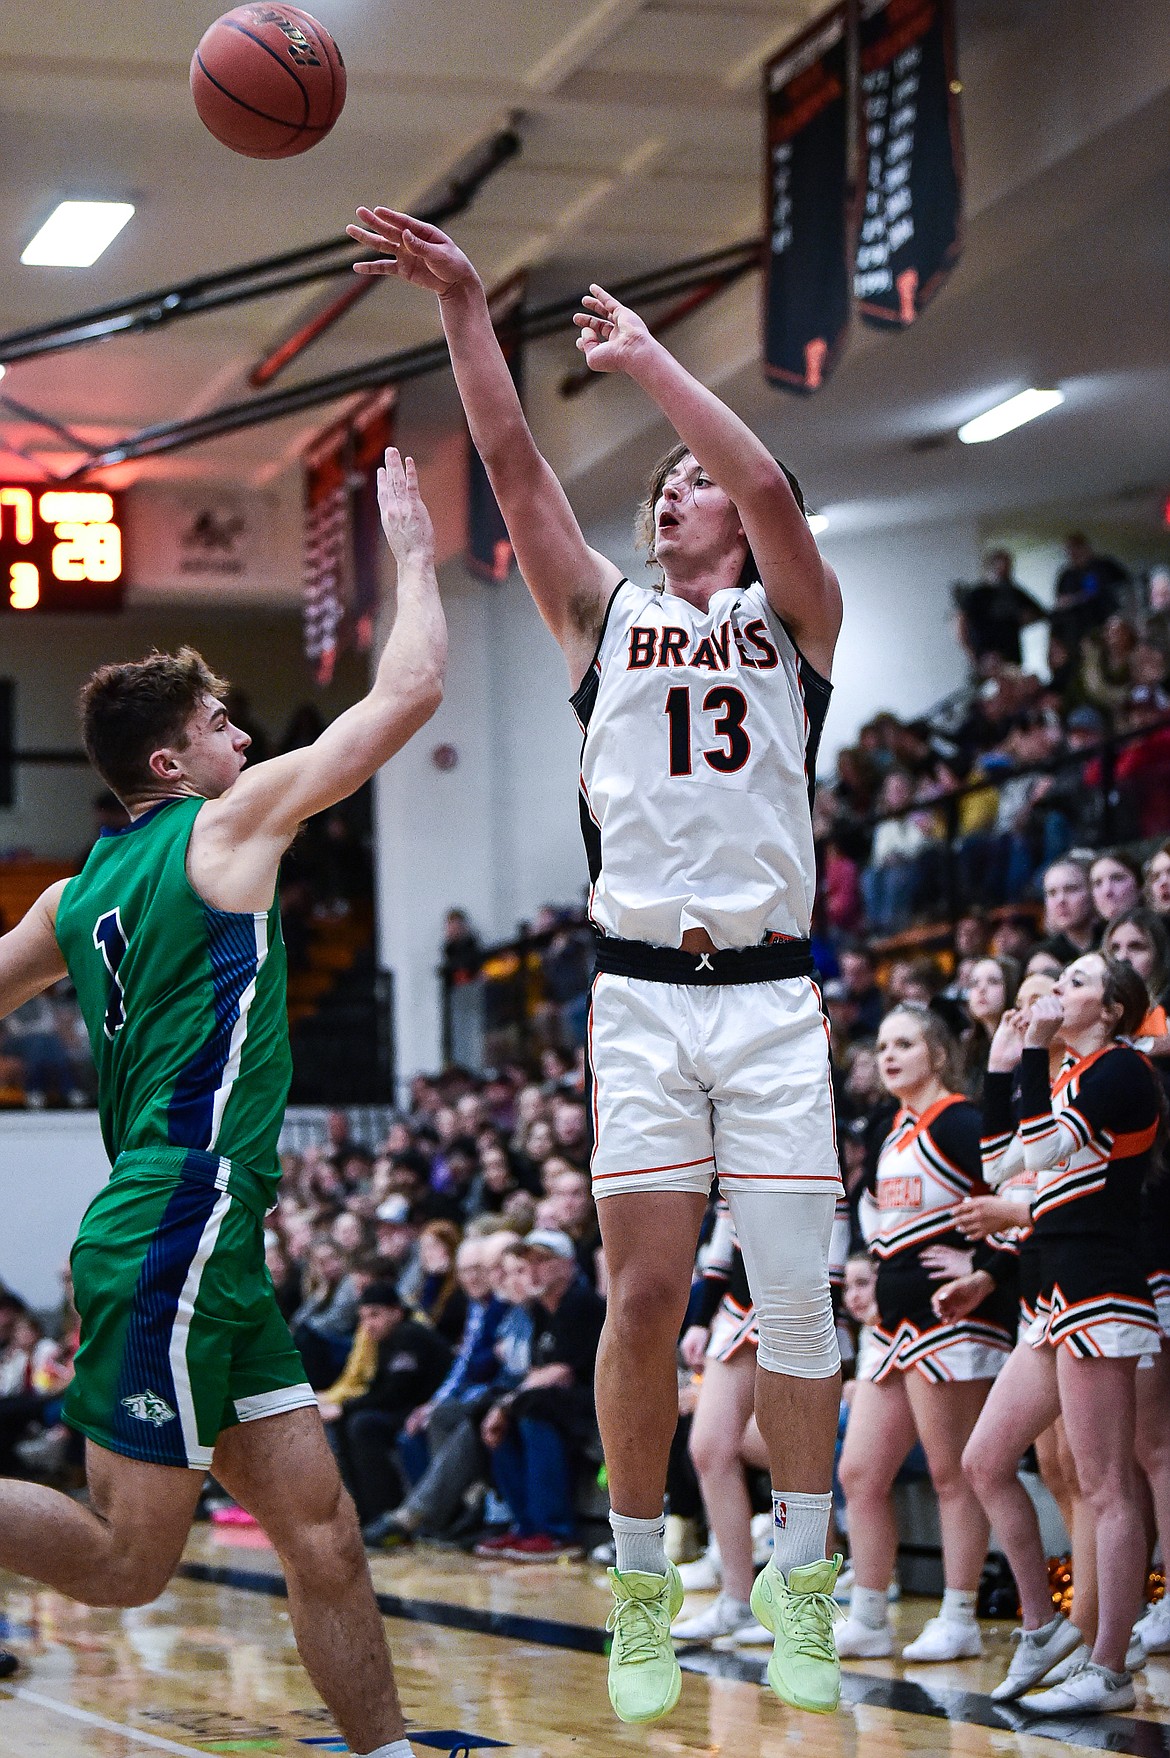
488	1655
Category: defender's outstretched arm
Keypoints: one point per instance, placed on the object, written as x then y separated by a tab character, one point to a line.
570	582
259	815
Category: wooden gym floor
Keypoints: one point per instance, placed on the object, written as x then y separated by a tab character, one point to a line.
489	1656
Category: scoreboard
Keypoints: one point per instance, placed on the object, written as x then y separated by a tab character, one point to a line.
60	549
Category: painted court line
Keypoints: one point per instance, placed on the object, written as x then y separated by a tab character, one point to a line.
1122	1734
75	1713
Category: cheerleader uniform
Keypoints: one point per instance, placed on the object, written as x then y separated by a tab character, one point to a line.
927	1165
1005	1171
1089	1138
725	1301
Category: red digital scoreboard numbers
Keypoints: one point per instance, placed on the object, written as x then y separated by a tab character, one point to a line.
60	549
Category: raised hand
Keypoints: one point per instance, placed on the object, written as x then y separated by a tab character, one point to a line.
1045	1018
413	250
1007	1045
405	519
611	334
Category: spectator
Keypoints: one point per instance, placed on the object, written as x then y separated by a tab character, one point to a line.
1107	664
492	1360
991	990
462	950
538	1435
890	882
441	1299
324	1323
411	1362
1086	591
1070	921
1115	880
859	976
1157	881
992	613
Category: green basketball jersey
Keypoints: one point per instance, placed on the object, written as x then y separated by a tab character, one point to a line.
184	1003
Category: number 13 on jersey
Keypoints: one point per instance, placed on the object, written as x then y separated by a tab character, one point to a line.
728	706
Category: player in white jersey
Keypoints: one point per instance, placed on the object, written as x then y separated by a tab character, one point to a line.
702	704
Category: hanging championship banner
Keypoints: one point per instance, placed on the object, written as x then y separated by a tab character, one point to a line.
489	548
807	274
912	224
342	547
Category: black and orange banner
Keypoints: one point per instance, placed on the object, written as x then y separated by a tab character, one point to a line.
344	549
807	293
912	221
489	548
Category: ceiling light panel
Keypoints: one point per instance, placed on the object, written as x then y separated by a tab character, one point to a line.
76	233
1026	406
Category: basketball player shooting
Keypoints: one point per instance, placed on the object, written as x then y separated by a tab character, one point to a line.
701	703
171	934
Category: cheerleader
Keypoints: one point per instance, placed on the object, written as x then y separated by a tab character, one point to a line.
724	1437
1088	1136
924	1379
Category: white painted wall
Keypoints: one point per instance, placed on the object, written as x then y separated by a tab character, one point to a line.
899	646
52	1165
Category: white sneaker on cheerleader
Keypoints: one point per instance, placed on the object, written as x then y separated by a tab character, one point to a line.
1135	1656
1153	1627
1038	1656
858	1641
703	1575
1091	1690
946	1639
753	1635
725	1618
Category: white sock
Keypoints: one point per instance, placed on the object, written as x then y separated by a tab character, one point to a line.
396	1749
641	1544
800	1528
957	1608
869	1606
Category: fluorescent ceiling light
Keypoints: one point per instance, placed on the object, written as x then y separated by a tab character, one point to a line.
1024	407
816	522
76	233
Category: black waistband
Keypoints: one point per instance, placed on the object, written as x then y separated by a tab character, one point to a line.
670	964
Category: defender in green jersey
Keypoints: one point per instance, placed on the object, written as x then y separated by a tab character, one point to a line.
171	934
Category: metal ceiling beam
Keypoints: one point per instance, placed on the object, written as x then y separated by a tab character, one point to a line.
256	280
671	282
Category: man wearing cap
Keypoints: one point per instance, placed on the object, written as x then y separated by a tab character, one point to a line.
412	1363
538	1434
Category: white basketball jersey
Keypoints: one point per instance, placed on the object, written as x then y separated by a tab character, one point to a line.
697	770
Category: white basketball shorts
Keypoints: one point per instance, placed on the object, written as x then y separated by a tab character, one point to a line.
696	1081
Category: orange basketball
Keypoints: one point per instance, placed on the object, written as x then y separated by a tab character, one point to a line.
268	80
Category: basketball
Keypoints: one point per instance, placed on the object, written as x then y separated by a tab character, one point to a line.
268	81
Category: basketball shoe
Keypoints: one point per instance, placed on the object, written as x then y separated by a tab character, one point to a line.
804	1670
644	1676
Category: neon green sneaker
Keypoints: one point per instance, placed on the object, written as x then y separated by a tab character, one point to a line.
804	1670
644	1677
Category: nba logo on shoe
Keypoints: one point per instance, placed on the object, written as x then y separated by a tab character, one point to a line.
782	1515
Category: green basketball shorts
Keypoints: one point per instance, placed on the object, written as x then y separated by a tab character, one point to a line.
181	1336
